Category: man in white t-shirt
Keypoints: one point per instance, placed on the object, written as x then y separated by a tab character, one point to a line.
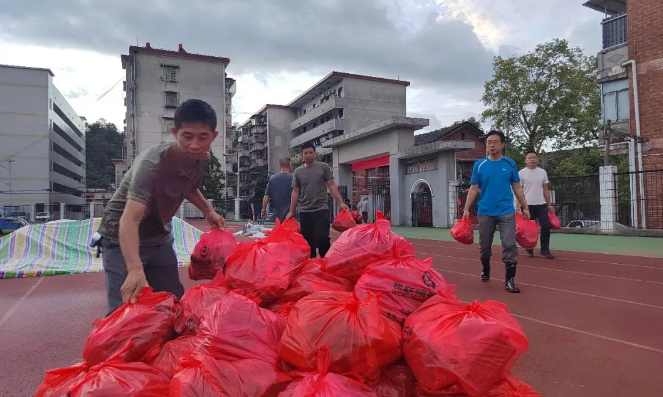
537	195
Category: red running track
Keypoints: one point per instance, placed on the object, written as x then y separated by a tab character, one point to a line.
594	321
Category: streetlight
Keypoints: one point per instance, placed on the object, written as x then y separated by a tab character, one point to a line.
10	161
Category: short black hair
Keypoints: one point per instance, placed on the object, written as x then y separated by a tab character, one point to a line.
498	133
308	145
531	151
195	111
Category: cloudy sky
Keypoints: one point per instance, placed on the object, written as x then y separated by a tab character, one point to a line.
278	48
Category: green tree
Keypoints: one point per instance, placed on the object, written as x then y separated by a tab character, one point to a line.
212	186
549	96
103	143
296	160
471	120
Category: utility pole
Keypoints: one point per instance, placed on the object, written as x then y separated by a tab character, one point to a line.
10	161
606	136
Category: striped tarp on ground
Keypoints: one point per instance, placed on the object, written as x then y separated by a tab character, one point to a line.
62	247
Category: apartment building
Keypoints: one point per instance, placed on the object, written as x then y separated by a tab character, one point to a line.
157	81
630	73
343	102
42	142
337	103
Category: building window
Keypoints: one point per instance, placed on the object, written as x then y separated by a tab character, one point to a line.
133	98
168	124
169	73
172	99
462	136
616	106
50	104
340	92
133	72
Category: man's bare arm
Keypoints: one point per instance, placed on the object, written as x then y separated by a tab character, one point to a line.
265	201
471	196
294	198
520	194
133	214
546	194
196	198
333	188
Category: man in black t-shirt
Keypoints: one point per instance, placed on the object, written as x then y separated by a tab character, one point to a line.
252	206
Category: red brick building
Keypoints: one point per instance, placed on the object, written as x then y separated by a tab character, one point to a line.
459	132
630	73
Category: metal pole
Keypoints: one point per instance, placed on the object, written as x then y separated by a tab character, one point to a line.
238	172
10	161
606	155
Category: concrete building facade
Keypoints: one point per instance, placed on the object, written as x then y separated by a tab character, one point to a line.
342	102
42	142
157	81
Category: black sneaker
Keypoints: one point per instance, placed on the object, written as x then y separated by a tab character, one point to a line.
530	253
547	255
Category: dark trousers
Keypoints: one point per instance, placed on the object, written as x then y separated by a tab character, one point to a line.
507	225
159	264
540	213
315	229
364	216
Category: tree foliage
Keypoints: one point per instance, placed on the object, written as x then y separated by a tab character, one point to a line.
212	186
103	143
549	96
471	120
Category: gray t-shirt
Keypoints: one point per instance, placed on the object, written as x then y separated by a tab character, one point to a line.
159	181
279	189
312	184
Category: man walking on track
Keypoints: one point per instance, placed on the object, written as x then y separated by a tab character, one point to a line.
279	189
537	194
309	188
136	238
496	176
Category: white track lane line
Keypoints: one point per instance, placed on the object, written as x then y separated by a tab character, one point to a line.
17	304
559	290
554	270
558	257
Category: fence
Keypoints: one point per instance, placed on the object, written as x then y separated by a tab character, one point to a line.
577	199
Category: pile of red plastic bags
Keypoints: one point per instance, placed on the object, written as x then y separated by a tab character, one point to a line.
369	320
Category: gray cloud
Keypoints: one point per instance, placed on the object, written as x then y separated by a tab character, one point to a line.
265	36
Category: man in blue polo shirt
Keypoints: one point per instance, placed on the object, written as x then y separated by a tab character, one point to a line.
497	178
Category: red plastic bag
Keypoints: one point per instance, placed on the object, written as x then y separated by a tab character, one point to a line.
237	328
265	267
512	387
168	358
554	221
195	302
360	339
404	283
204	376
58	382
210	253
313	279
326	384
527	232
282	309
396	380
149	322
463	232
343	221
291	224
113	377
447	343
357	248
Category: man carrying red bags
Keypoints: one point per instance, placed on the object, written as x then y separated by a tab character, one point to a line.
137	242
535	184
309	188
496	176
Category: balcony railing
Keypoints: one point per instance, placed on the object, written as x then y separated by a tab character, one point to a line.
614	31
322	129
333	103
